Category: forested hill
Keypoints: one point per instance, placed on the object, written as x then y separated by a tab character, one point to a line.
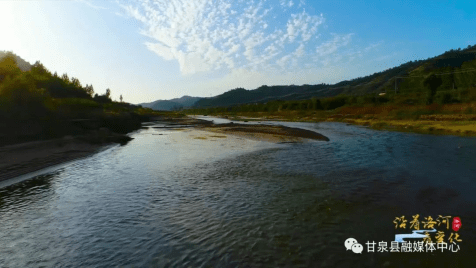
173	104
37	104
21	63
456	65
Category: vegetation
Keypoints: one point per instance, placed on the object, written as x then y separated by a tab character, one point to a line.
454	119
455	68
437	95
36	104
432	82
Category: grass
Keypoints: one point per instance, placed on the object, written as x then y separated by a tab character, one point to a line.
449	119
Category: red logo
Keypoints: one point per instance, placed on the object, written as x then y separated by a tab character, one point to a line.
456	224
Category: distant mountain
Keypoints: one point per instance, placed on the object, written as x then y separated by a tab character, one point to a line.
186	101
264	94
173	104
163	105
407	78
22	64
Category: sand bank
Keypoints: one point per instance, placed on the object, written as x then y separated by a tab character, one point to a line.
24	158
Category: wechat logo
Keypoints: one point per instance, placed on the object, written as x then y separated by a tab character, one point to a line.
352	244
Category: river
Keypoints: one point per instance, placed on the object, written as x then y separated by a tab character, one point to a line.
169	199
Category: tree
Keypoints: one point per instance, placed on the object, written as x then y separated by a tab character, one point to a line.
108	93
120	98
39	68
316	104
432	82
8	66
89	89
75	82
65	78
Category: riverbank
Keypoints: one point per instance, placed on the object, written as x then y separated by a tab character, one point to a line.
260	132
379	119
457	128
266	133
235	200
90	136
24	158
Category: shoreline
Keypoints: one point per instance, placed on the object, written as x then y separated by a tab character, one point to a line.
270	133
30	158
25	158
276	134
429	126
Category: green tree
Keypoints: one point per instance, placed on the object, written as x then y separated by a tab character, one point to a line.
108	93
65	78
39	69
316	104
120	98
75	82
432	82
8	66
89	89
21	98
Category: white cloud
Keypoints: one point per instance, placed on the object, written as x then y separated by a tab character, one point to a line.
372	46
90	4
210	35
331	46
299	51
221	36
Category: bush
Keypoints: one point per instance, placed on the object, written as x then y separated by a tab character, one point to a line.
382	99
469	110
317	104
333	103
444	98
432	82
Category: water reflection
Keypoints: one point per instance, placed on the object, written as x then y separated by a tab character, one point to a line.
171	200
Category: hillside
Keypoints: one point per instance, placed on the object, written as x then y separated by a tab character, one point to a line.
454	67
21	63
171	105
162	105
186	101
38	105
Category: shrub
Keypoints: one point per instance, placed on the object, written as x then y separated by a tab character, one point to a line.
382	99
317	104
432	82
333	103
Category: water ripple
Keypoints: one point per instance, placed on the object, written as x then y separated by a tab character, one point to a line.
169	200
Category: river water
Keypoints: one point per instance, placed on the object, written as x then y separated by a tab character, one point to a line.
182	200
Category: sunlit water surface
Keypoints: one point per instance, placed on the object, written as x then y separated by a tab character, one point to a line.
174	200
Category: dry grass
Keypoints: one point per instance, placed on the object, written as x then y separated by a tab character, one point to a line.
217	136
266	133
460	128
451	119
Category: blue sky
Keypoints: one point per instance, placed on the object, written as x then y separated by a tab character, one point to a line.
149	50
